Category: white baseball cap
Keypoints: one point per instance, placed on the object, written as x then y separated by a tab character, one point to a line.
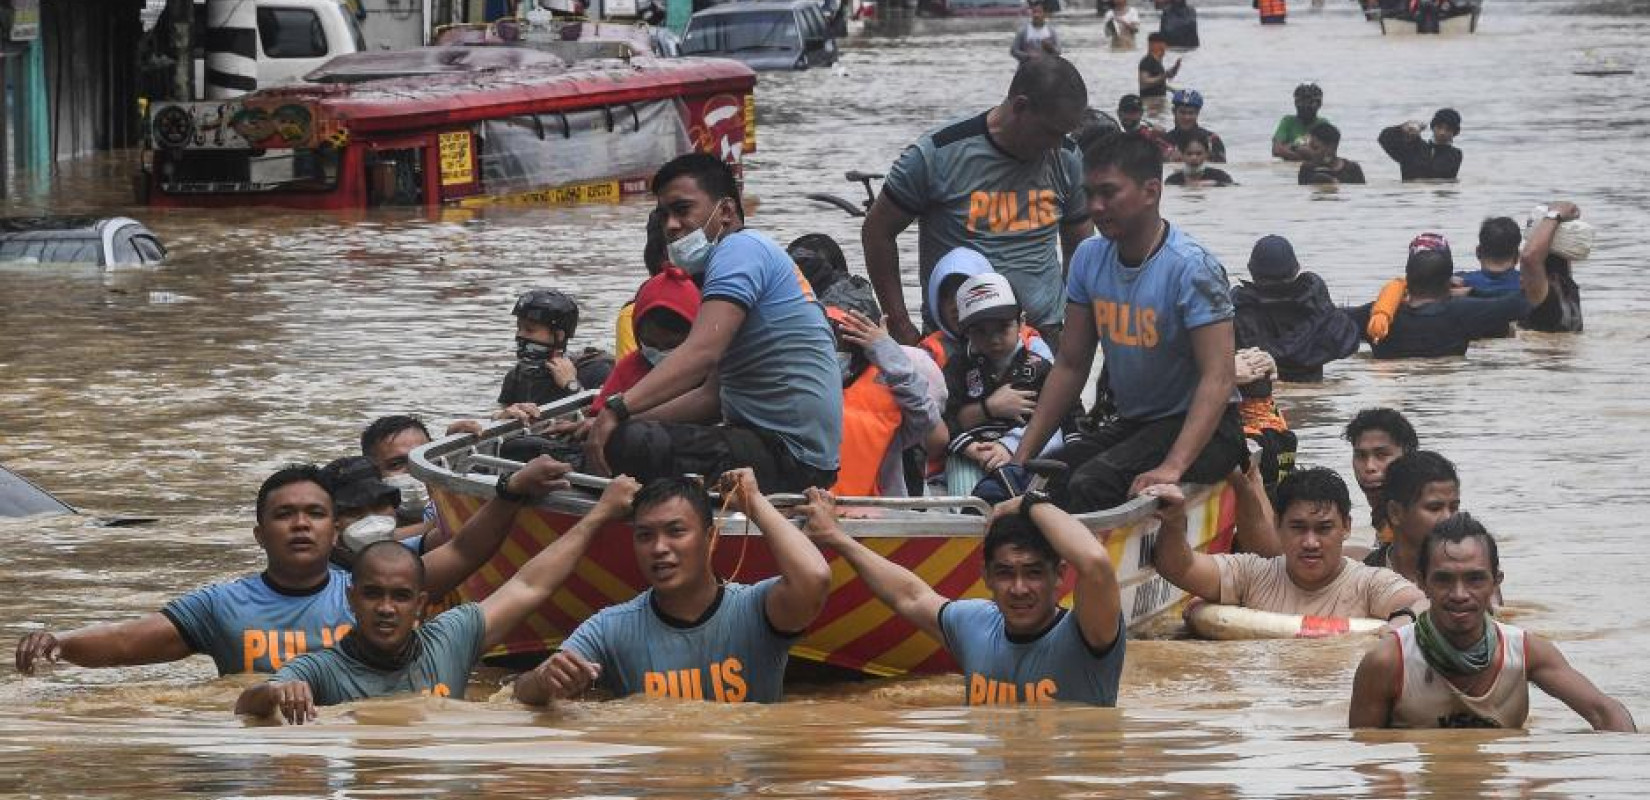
986	296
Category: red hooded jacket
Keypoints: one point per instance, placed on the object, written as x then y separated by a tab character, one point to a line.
671	290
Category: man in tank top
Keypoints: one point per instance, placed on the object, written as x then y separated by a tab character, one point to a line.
1456	667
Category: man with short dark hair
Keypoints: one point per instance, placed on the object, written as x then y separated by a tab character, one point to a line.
1498	241
691	636
1557	239
1419	159
1006	182
297	603
1019	646
723	400
1379	436
1289	141
1429	322
1323	164
388	442
1422	489
389	652
1131	118
1311	578
1153	76
1158	304
1457	667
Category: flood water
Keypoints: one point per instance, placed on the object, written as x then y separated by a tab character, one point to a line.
273	337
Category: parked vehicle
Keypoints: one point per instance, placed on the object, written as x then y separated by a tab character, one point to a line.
294	37
451	125
764	34
110	242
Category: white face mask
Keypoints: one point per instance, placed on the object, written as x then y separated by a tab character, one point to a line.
414	497
692	251
1191	170
367	530
654	355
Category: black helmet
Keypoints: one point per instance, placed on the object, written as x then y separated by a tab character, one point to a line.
549	307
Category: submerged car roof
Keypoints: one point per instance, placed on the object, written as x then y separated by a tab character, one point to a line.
88	226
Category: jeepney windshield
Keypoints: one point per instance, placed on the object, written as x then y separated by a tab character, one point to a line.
742	32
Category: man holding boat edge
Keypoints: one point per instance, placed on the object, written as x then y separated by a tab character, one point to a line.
1020	646
691	636
1457	667
1311	578
389	652
297	603
723	400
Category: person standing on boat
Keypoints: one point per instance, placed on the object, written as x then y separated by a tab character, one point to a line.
1159	307
1020	646
1379	436
691	636
723	400
1325	166
1422	489
1036	38
1289	141
1419	159
389	651
1153	76
1006	182
297	604
1312	577
1457	667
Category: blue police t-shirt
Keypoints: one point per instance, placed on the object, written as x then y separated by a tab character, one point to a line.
732	656
251	625
1056	667
1144	316
1491	284
449	646
779	374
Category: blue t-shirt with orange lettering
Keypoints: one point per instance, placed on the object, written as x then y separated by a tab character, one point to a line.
966	191
1144	317
779	373
731	655
1056	667
252	625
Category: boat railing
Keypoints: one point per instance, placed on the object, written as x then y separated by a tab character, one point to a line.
469	463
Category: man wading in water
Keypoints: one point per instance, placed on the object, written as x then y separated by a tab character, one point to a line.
389	652
1458	668
691	636
297	604
1020	646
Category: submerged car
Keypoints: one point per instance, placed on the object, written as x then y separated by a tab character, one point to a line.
764	35
102	242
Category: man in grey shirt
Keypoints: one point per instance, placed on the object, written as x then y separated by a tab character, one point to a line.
1005	183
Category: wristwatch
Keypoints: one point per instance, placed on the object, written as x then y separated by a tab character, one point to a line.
1030	499
615	403
502	489
1552	214
573	387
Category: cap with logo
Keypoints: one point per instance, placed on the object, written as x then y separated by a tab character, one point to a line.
985	297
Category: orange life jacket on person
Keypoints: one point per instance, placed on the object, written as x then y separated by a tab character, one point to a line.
870	418
1272	8
1385	308
1261	414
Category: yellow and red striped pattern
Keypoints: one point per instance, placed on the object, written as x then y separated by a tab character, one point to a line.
854	631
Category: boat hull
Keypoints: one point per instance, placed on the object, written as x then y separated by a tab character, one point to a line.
855	631
1405	26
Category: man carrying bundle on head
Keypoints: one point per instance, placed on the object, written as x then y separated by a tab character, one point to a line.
1019	646
1457	667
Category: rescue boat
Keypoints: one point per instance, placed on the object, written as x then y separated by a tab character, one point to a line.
1454	19
938	538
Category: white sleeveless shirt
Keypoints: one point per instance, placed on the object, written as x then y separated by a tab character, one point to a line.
1426	699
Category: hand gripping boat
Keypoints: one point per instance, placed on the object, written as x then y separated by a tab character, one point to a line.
931	536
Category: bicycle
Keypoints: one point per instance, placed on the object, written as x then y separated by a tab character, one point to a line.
848	206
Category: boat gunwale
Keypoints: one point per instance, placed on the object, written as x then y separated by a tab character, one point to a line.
430	463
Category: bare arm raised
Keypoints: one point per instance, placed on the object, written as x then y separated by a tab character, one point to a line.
804	577
1196	573
1096	602
447	566
897	587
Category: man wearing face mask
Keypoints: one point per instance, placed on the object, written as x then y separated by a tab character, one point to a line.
755	384
892	400
544	372
387	443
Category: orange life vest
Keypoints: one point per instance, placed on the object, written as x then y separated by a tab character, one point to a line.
870	418
1272	8
1385	308
1261	414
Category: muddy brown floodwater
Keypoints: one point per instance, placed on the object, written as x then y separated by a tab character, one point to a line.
272	337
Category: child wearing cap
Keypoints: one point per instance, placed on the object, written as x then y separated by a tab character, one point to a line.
544	373
993	387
